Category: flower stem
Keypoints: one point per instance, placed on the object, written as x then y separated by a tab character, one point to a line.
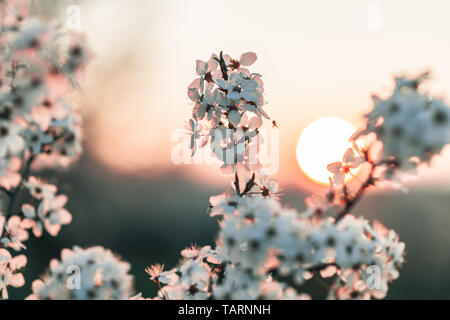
370	181
14	192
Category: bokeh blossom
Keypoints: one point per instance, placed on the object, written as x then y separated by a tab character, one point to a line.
84	274
411	125
40	64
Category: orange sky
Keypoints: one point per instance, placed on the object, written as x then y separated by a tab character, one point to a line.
317	58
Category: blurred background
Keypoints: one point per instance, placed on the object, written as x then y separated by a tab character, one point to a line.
317	58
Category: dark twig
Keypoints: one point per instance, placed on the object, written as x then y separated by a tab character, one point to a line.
5	190
370	181
223	66
350	202
322	266
14	192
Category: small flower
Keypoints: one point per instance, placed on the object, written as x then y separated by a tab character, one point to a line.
157	274
13	233
238	87
9	271
195	252
205	70
36	139
9	171
411	126
39	189
103	276
341	169
330	198
35	218
50	213
270	187
57	215
10	139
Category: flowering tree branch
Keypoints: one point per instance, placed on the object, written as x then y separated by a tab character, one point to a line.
38	128
265	250
15	191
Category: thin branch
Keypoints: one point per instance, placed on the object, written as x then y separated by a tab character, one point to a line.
14	192
8	192
223	67
370	181
350	202
320	267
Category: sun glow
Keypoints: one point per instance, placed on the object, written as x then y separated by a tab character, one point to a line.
322	142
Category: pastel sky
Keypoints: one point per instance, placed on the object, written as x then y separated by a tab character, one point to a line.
317	58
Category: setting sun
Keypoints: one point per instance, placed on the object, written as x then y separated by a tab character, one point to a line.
322	142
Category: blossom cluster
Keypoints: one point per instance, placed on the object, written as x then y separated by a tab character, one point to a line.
228	108
267	251
411	125
84	274
40	64
261	244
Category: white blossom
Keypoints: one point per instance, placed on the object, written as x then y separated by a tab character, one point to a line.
102	276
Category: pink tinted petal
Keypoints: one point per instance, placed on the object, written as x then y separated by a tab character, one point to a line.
248	58
195	84
32	180
379	294
201	67
52	229
37	285
54	264
27	223
4	255
3	149
13	222
66	254
42	116
53	218
357	162
64	216
17	280
59	202
212	64
349	155
15	164
28	211
234	117
4	294
2	223
255	122
227	59
14	180
328	272
193	94
17	145
339	178
37	230
18	262
334	167
379	228
43	209
307	275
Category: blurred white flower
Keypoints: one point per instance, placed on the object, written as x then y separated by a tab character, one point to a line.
10	274
341	169
101	276
11	141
